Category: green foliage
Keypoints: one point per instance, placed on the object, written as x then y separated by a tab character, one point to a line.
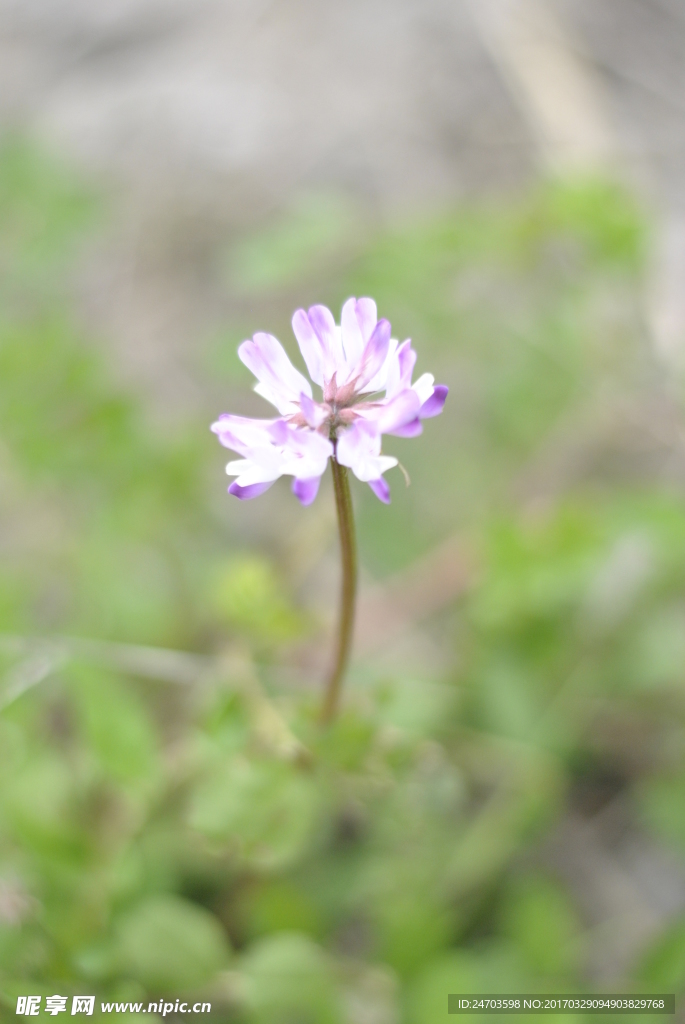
664	966
170	944
158	837
541	923
248	598
260	808
662	803
462	971
115	725
287	976
42	213
312	231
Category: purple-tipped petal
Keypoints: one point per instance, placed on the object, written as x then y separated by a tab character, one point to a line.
375	353
333	361
251	491
403	408
353	340
359	448
357	323
310	345
380	489
433	406
367	315
406	357
321	319
306	490
241	433
411	429
279	382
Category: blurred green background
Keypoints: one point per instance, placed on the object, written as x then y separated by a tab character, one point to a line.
501	804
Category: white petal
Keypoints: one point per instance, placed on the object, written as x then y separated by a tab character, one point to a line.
424	387
306	453
400	366
374	358
380	381
328	333
249	472
367	315
237	467
352	337
383	463
279	382
310	346
359	449
240	433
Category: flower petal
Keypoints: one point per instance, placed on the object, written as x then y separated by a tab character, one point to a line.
252	491
310	345
411	429
244	429
306	490
380	381
367	315
381	489
357	323
399	411
313	413
262	464
400	368
321	319
279	382
424	386
279	432
306	453
240	433
359	448
374	355
406	357
352	339
433	406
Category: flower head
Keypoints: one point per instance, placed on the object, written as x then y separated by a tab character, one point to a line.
366	391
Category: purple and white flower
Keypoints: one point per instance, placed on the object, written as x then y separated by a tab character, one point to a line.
366	391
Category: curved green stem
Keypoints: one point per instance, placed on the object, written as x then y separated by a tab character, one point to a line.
348	553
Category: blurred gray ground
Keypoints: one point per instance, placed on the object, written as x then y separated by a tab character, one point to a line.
397	100
206	117
394	100
638	46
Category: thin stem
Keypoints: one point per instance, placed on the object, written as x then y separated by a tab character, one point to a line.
348	554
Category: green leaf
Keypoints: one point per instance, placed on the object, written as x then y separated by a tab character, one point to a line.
281	906
115	723
461	971
663	968
248	596
662	806
39	803
170	944
540	920
412	929
655	656
263	809
288	978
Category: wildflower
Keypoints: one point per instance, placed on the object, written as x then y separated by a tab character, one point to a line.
366	391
